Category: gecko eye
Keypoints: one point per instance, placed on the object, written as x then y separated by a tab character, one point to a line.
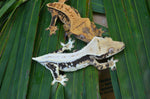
82	36
111	50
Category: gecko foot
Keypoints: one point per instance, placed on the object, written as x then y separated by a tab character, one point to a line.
113	63
61	79
69	45
109	64
101	32
52	29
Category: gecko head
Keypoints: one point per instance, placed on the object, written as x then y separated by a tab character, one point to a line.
108	47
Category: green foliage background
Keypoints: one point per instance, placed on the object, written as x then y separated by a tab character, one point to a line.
23	35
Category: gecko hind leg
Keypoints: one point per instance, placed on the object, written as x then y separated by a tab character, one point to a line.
54	68
109	64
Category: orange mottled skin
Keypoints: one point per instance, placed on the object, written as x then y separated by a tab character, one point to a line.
82	28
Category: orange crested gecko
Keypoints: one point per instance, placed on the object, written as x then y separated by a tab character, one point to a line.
82	28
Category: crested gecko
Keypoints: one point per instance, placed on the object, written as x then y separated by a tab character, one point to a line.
93	53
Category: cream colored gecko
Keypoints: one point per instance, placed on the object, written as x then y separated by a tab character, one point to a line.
93	53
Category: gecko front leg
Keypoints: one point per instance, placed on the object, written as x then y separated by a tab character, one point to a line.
113	62
109	64
52	26
54	68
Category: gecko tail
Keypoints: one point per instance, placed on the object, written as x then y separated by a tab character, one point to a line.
40	59
35	59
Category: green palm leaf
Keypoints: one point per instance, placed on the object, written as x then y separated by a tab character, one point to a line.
129	21
20	79
16	55
98	6
23	35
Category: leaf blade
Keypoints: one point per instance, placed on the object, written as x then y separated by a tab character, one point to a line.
98	6
128	27
19	85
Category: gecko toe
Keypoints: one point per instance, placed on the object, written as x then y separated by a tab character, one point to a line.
53	82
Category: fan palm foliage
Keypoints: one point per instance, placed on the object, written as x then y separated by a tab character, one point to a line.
23	35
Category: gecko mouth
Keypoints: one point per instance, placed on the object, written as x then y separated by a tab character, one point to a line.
104	60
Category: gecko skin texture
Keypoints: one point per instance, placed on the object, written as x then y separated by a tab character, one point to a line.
93	53
74	24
